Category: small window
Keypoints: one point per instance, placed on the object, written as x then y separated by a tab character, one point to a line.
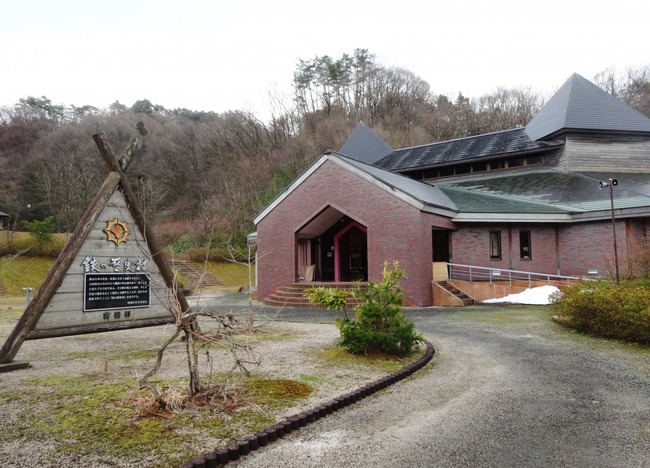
495	245
516	162
479	167
446	171
525	251
463	169
496	164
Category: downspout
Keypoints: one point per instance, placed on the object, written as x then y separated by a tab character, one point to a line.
510	267
558	259
337	275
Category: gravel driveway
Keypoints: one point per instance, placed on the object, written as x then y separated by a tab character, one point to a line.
497	396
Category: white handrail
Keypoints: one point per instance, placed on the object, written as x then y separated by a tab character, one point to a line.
476	273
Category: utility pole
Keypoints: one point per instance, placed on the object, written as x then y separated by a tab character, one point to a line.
611	183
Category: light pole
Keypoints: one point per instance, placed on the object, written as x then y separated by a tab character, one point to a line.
611	183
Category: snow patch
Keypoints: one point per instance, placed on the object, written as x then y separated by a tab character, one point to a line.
531	296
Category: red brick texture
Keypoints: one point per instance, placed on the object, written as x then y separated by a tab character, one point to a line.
557	249
396	230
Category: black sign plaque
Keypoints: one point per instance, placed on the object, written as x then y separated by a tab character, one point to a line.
104	291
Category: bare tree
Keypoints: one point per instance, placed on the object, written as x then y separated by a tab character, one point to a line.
636	91
608	80
631	86
218	330
507	108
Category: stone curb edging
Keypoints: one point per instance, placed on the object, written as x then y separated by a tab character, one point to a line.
243	447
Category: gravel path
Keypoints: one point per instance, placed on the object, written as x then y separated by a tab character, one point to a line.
496	397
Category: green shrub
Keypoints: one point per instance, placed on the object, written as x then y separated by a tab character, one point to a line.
41	231
181	245
606	309
330	298
379	324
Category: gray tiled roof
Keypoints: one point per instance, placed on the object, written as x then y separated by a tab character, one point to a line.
425	193
464	149
577	105
581	105
365	145
3	215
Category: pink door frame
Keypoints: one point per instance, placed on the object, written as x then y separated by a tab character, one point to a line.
337	273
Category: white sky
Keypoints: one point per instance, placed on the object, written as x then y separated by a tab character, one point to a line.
229	54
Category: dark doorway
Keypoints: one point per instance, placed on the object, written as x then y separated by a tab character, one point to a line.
353	254
323	252
341	252
440	240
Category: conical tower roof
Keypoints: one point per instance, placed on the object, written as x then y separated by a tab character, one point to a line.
365	145
581	105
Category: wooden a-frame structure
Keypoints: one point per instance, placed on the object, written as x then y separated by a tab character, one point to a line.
115	190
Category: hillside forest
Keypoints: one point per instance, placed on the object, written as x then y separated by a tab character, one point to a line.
201	177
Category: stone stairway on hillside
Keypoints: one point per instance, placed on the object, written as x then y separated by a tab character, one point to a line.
293	295
464	298
196	279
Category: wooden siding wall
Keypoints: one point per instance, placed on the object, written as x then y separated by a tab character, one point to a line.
605	153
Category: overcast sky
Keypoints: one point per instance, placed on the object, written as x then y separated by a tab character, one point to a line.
230	54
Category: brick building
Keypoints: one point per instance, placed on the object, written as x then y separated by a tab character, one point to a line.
527	199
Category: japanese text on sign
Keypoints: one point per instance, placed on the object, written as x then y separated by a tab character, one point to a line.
90	265
116	291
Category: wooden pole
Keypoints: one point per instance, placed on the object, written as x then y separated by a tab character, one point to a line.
134	207
611	199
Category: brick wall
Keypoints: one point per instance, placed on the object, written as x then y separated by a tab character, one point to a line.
563	249
395	230
590	245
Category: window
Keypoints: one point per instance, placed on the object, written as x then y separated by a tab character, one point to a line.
495	245
525	251
496	164
479	167
516	162
446	171
463	169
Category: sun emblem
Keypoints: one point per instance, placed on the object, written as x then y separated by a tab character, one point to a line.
116	231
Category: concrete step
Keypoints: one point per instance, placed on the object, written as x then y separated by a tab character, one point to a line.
293	295
196	278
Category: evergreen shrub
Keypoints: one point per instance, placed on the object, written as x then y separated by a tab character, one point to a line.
606	309
378	325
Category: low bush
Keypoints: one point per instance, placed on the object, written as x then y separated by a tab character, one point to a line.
378	325
609	310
